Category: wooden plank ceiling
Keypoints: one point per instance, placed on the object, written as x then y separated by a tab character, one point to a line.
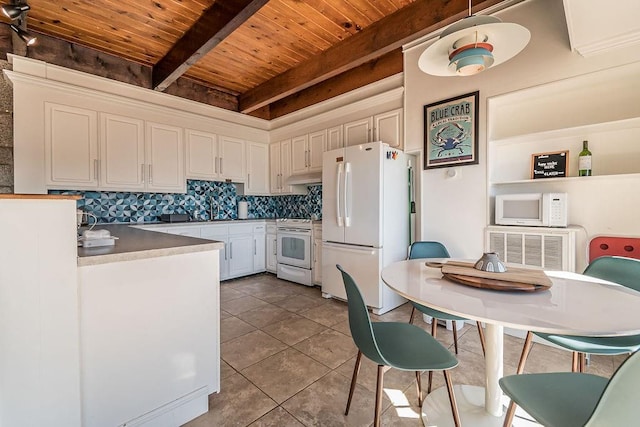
271	57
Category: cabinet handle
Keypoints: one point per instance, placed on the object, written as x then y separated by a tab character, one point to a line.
255	247
225	251
369	134
142	172
220	161
231	250
249	180
150	175
280	179
95	169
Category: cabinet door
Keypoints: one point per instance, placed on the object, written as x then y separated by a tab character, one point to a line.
122	163
257	169
334	138
220	234
165	159
259	252
317	262
201	155
299	154
232	159
317	142
358	132
271	258
71	147
240	255
285	166
388	128
274	168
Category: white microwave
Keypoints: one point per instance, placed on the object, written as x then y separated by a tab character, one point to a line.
532	209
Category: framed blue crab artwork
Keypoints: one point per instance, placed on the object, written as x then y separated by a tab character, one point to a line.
451	132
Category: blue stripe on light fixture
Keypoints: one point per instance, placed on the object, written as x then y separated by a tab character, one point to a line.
472	61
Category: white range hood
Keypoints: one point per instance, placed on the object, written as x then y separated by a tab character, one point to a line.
305	178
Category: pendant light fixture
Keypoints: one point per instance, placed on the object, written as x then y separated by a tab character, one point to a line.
17	12
472	45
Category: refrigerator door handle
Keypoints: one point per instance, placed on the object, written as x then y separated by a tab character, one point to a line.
339	218
347	195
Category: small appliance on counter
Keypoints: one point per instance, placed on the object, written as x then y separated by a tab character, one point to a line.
174	217
94	238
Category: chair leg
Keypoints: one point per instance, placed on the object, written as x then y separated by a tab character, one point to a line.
419	387
413	313
429	383
434	327
452	399
356	369
582	361
528	341
376	418
508	418
455	335
482	341
574	361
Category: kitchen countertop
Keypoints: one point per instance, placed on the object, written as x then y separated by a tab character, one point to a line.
134	243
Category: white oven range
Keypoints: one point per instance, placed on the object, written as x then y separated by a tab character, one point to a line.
294	247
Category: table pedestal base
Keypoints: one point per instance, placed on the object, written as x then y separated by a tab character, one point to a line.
436	409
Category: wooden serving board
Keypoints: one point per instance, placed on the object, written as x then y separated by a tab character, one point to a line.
514	279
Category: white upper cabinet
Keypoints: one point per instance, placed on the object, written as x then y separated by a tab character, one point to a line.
299	151
165	158
231	160
280	168
122	157
334	138
386	127
317	143
201	155
358	132
71	147
306	152
257	169
215	158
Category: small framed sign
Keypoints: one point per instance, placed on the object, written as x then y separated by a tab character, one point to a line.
550	165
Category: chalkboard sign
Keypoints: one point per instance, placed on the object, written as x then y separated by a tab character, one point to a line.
550	165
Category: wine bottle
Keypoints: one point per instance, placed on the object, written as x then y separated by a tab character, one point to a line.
584	160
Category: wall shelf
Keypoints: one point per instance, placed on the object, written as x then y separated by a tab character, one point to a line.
569	179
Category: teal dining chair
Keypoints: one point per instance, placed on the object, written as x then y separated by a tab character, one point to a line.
568	399
430	249
621	270
394	344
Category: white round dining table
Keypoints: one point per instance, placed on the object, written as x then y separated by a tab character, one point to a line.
574	305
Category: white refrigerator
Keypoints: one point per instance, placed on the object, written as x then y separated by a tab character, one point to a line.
365	219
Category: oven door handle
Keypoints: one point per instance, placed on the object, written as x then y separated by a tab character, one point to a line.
294	231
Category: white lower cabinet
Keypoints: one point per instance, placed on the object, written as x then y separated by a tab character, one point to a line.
240	253
220	233
316	271
272	248
244	247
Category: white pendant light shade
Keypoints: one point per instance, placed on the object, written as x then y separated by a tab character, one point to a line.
472	45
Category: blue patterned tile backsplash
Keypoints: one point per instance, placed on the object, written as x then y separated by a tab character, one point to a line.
200	197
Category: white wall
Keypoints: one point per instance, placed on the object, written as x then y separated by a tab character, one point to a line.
455	210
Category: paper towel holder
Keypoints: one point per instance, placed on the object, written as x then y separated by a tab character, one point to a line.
243	209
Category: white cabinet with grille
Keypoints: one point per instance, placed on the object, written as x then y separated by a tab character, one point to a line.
549	248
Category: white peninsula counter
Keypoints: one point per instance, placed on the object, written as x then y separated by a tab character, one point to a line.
108	336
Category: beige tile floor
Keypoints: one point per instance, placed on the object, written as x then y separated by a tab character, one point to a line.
288	357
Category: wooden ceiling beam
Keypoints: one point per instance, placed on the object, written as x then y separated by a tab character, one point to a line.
215	24
409	23
370	72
